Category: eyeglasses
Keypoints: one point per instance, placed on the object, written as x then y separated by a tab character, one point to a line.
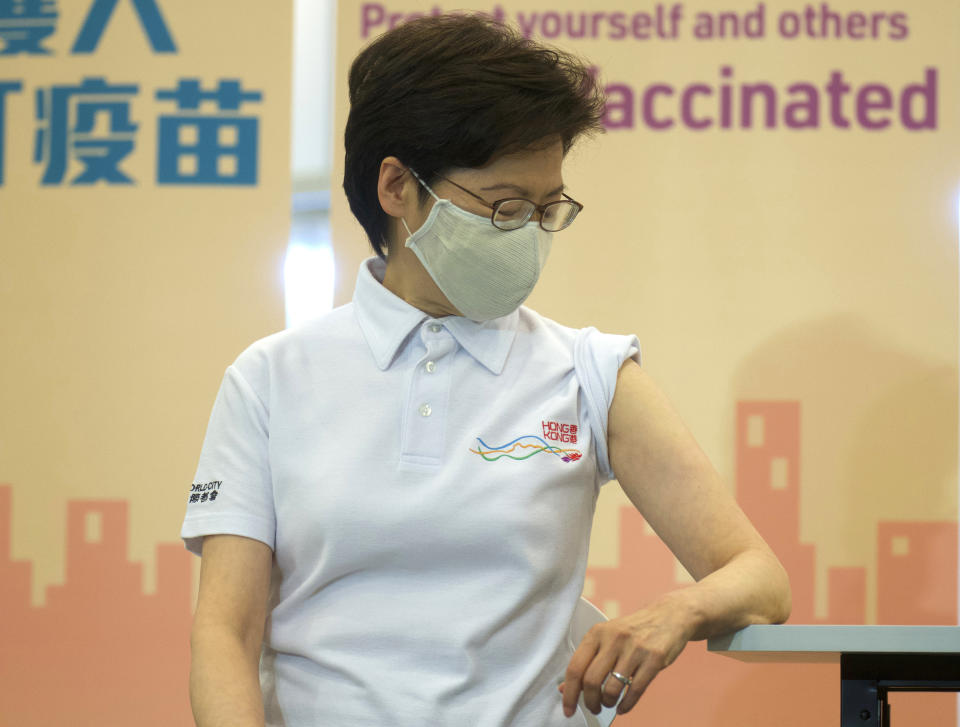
512	213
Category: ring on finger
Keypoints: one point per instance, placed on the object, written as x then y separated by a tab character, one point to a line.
627	681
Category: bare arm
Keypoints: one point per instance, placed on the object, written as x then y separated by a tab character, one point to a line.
739	580
670	480
228	631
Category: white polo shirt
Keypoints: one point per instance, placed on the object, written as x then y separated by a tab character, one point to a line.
427	487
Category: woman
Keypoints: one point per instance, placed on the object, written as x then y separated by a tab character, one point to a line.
405	486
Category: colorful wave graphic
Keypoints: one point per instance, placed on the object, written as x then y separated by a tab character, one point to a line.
528	441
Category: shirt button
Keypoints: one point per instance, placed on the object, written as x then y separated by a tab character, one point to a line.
435	328
431	366
425	410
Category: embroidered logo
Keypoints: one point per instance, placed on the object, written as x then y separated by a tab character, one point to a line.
205	491
557	432
525	447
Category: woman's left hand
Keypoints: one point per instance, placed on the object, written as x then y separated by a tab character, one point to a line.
636	646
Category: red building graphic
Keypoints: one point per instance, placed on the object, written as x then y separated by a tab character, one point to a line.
101	652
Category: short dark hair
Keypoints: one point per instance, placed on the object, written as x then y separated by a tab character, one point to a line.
453	91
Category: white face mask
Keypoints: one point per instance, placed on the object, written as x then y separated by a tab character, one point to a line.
485	272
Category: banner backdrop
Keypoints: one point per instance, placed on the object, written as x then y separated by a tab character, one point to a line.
144	213
773	210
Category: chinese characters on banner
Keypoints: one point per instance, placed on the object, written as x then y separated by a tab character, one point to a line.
208	138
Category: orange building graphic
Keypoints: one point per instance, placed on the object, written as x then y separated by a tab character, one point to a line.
917	573
102	653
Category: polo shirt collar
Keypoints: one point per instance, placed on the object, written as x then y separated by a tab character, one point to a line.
489	342
387	322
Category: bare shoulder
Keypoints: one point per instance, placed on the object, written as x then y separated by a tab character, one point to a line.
642	422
